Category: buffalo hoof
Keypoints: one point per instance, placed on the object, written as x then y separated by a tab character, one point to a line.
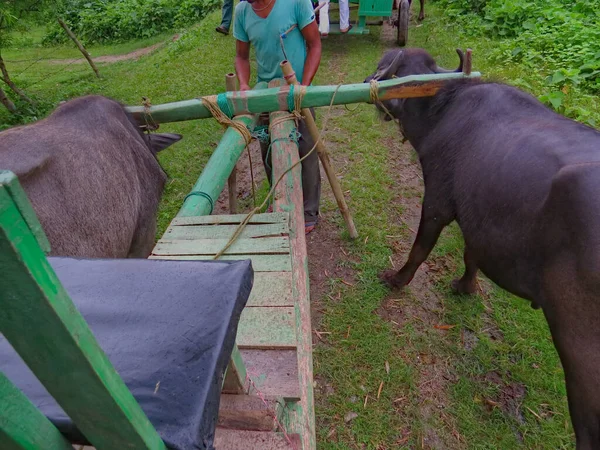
421	17
463	288
391	279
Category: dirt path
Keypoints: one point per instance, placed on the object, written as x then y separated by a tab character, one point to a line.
136	54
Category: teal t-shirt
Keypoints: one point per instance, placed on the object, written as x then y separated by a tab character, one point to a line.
263	35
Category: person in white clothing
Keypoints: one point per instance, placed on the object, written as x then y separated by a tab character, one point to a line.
324	17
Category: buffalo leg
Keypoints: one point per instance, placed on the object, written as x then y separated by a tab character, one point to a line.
468	283
430	228
422	12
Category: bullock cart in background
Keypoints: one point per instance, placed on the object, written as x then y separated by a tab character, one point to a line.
378	9
203	361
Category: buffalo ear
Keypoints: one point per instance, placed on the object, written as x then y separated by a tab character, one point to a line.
160	141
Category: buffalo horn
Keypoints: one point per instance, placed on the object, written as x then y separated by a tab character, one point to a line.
461	56
391	69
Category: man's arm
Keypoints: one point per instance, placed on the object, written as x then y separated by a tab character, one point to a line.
313	55
242	64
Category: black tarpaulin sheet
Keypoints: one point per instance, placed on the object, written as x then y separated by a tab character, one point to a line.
168	327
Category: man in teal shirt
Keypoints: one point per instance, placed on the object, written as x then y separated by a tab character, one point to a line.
260	23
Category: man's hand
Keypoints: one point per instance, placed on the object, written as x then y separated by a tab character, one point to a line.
245	87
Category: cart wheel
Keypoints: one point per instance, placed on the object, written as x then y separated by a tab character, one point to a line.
403	14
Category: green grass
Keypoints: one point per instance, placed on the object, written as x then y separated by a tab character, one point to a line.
511	345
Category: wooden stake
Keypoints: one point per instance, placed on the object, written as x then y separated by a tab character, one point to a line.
290	77
468	66
230	85
79	45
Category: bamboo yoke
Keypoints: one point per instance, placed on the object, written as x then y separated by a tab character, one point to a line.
238	111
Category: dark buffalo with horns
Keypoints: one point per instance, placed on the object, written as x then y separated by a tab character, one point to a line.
523	183
92	177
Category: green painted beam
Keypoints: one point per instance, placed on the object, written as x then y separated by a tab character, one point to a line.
43	325
276	99
22	425
217	170
11	184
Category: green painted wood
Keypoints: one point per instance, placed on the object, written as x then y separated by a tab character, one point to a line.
275	99
260	263
274	373
225	231
215	174
22	425
375	8
268	245
284	154
267	328
229	219
10	182
271	289
40	321
235	379
334	28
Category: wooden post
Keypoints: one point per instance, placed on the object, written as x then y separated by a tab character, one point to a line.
468	66
45	328
7	102
276	99
288	197
290	77
230	85
6	78
22	425
79	45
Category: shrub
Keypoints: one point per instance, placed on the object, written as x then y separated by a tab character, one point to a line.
100	21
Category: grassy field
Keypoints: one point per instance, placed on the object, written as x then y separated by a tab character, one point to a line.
419	369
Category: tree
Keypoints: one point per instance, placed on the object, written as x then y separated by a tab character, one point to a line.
11	19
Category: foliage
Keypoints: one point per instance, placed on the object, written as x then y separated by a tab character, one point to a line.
15	16
558	36
99	21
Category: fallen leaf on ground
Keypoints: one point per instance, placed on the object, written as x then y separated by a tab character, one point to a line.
350	417
444	327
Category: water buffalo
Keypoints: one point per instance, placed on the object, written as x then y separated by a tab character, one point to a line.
523	183
92	177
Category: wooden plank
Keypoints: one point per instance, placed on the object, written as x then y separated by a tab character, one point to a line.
260	263
10	182
231	219
268	245
273	373
227	439
45	328
234	381
267	327
220	231
284	154
22	425
249	412
271	289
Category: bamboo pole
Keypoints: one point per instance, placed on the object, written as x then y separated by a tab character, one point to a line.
79	45
230	85
275	99
212	180
290	77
